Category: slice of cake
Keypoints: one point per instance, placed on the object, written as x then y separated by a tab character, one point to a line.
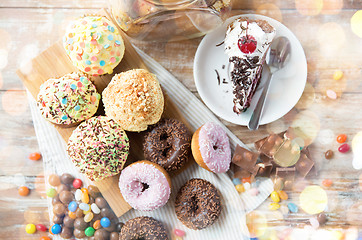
246	44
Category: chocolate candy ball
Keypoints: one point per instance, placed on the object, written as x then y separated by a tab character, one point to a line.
329	154
322	219
106	212
55	200
101	234
59	209
58	219
111	228
80	224
79	213
114	236
63	187
79	233
68	221
101	202
66	178
66	232
66	197
54	180
119	226
93	191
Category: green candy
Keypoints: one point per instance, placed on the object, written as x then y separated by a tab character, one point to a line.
89	231
51	192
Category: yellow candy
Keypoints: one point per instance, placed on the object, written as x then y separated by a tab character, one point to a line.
283	195
337	75
274	206
85	197
72	215
30	228
275	197
240	188
88	217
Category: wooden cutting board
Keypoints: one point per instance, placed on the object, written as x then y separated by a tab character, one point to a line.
54	63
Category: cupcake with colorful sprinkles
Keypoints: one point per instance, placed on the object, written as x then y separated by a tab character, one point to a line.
68	100
98	147
94	45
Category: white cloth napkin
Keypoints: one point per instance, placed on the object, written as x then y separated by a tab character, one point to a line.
231	224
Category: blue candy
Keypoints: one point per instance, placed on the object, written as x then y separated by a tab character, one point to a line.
105	222
293	207
236	181
56	229
72	206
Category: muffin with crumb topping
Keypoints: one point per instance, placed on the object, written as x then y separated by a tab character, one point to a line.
134	99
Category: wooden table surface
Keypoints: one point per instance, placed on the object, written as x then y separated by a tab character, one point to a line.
28	27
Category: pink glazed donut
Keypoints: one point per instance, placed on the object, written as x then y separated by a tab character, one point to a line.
211	149
145	185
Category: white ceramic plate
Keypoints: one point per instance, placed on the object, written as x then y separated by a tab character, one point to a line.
285	89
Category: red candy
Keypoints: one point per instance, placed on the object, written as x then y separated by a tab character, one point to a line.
41	227
179	232
34	156
77	183
344	148
247	44
341	138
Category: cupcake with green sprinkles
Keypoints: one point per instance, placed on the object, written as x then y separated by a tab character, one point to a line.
94	45
99	148
68	100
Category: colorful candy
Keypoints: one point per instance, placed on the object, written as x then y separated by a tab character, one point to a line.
35	156
41	227
105	222
179	232
341	138
314	222
97	224
344	148
337	75
283	195
45	238
72	206
84	207
77	183
78	195
240	188
72	215
89	231
275	196
236	181
274	206
253	191
327	182
95	208
85	197
88	217
246	180
328	154
30	228
51	192
331	94
56	229
23	191
293	207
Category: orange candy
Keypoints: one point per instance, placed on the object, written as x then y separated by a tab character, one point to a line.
45	238
72	215
341	138
35	156
23	191
327	183
283	195
97	224
247	179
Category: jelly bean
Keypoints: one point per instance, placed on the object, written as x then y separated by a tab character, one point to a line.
89	231
41	227
72	206
77	183
97	224
337	75
88	217
84	207
274	206
253	191
236	181
284	209
343	148
179	232
30	228
247	186
56	229
240	188
51	192
327	182
84	190
23	191
85	197
35	156
293	207
78	195
275	196
329	154
45	238
278	184
341	138
245	180
331	94
314	222
72	215
95	208
105	222
283	195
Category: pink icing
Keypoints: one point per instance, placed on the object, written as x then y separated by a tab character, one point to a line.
132	184
215	147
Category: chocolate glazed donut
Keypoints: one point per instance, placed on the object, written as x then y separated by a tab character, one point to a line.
197	204
168	144
146	228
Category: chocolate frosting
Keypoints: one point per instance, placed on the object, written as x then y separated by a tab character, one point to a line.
146	228
198	204
168	144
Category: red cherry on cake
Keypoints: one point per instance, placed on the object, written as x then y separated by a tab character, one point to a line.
247	44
